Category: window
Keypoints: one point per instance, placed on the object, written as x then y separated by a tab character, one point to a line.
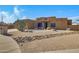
39	24
53	24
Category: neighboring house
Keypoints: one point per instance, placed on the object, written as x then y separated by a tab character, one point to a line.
11	26
29	23
3	28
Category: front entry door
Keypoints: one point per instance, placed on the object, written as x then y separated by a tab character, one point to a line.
46	25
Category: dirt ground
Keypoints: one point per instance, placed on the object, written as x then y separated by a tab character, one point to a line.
52	44
65	42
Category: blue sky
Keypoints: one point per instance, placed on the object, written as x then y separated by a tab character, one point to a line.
12	12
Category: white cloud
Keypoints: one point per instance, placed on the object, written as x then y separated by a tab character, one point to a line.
74	19
24	17
16	11
7	17
11	17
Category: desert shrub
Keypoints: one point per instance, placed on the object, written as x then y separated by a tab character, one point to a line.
21	25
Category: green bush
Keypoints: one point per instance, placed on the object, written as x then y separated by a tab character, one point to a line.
21	25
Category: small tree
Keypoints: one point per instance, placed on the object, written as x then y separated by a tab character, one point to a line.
21	25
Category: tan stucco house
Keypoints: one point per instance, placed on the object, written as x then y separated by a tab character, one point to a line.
45	22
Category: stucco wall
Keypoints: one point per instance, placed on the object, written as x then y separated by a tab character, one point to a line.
3	29
74	27
61	23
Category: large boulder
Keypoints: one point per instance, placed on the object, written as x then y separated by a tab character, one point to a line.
8	45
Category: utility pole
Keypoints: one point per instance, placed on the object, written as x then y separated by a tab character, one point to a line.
1	25
1	18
